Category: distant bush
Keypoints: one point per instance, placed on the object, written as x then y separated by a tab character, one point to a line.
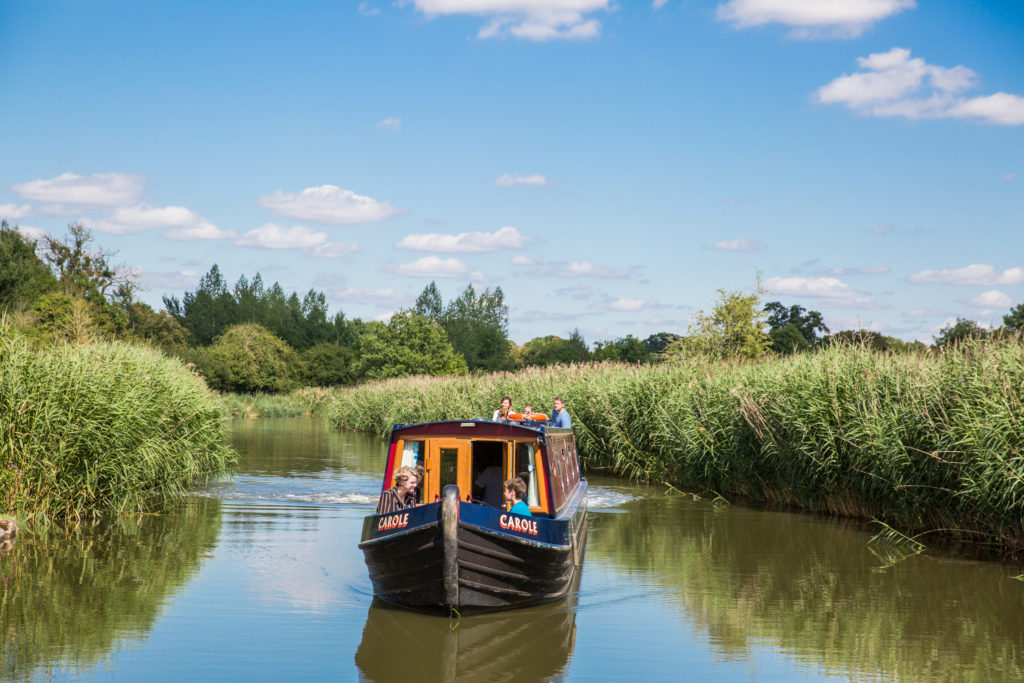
248	358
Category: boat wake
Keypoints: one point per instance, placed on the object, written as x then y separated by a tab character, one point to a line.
607	499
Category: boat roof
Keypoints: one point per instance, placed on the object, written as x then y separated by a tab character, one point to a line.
483	426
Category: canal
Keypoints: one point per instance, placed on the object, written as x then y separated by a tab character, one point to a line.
259	578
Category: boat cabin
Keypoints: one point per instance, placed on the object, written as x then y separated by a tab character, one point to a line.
479	455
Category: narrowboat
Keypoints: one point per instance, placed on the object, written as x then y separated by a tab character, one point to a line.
460	549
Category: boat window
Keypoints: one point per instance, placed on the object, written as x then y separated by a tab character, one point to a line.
412	454
526	467
449	469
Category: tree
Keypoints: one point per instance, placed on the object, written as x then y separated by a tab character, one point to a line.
429	302
328	364
248	358
410	344
551	350
733	329
960	330
208	311
875	341
81	270
1014	320
794	328
23	275
659	341
627	349
477	326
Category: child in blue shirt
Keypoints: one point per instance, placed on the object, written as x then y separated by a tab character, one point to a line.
515	490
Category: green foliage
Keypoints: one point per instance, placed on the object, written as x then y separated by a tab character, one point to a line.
159	329
794	328
733	329
477	326
211	309
1014	320
410	344
429	303
927	443
100	427
875	341
552	350
328	364
248	358
627	349
23	275
959	331
658	342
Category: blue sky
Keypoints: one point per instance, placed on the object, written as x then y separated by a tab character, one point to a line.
609	164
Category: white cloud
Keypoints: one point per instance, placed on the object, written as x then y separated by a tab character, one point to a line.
881	229
433	266
388	296
812	18
367	10
521	260
991	299
582	269
974	274
741	244
826	287
892	84
465	242
181	223
13	212
658	4
391	123
32	234
384	317
328	204
923	313
1009	177
859	270
529	19
183	279
316	244
510	180
623	304
332	250
274	236
107	189
857	323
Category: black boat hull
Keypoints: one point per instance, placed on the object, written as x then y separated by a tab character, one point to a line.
467	556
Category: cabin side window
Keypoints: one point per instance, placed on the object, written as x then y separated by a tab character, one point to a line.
448	470
412	454
526	467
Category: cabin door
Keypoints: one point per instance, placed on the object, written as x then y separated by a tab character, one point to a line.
447	463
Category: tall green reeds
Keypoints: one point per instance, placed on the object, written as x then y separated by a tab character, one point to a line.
925	442
101	427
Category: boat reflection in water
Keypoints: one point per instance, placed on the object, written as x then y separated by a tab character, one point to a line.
529	644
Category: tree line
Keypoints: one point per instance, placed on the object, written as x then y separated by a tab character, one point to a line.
251	336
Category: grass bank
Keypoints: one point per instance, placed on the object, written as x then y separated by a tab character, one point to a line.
101	428
926	443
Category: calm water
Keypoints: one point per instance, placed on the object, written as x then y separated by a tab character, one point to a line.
260	579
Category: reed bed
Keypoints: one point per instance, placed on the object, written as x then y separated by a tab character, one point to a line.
101	428
308	401
926	442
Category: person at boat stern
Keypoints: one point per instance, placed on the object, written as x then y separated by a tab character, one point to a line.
515	491
502	412
403	494
559	415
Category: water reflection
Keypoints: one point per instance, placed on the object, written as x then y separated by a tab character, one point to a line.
816	591
73	595
532	644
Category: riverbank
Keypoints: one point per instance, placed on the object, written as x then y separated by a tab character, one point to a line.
928	443
105	427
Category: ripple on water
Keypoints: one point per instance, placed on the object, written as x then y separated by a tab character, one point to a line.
607	499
